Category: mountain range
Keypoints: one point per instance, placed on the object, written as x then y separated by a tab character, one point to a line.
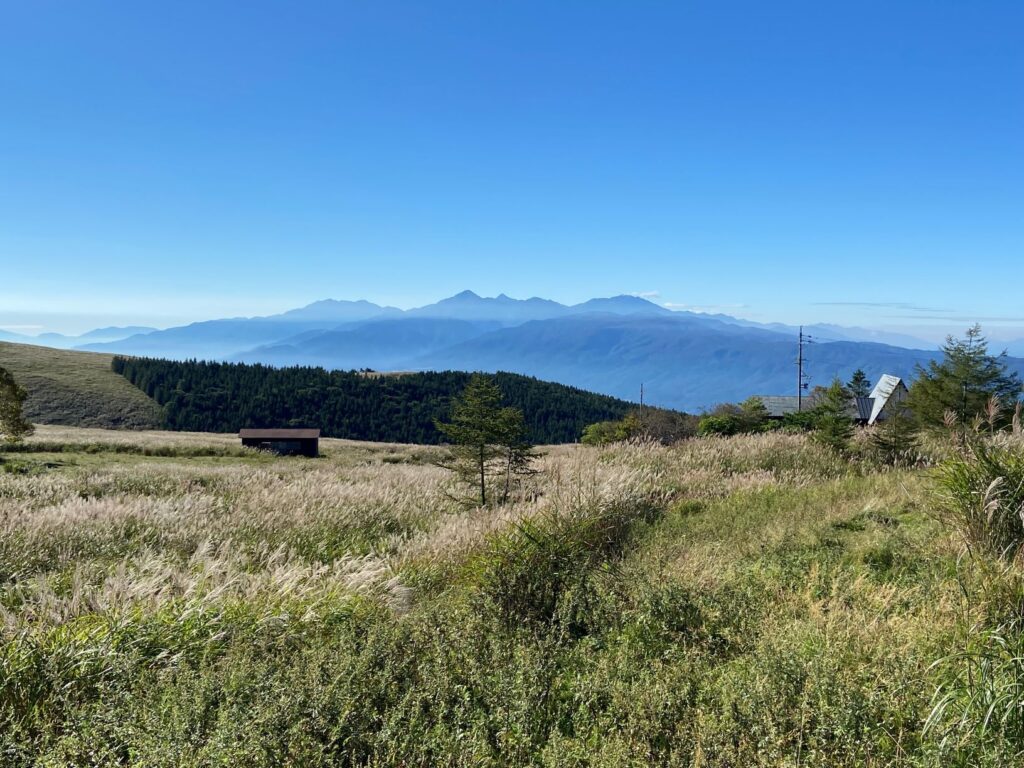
685	360
60	341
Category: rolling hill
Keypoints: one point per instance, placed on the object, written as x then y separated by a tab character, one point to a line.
77	389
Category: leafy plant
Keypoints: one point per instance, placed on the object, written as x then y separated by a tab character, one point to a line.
981	495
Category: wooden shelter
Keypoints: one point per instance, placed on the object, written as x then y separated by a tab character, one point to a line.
284	442
884	400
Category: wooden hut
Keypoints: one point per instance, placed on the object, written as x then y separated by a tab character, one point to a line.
284	442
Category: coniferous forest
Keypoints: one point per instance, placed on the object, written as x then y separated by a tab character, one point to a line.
225	397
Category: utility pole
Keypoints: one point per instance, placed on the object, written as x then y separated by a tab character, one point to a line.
641	403
801	362
800	372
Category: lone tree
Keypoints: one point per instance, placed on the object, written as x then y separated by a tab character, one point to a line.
964	383
895	439
486	439
832	423
13	426
859	385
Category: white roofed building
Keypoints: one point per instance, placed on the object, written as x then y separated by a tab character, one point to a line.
886	397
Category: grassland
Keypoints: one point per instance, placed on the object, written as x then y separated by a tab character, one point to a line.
751	601
76	388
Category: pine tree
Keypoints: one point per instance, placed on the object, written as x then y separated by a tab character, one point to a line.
895	439
13	426
517	452
832	423
485	439
859	385
963	383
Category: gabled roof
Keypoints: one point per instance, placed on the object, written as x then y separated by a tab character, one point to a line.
886	386
888	389
279	434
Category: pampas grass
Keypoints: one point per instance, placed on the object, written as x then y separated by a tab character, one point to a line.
749	600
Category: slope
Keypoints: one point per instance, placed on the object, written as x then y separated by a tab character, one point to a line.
77	389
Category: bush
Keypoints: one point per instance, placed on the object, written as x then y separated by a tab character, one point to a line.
534	572
748	417
982	495
724	425
894	441
608	432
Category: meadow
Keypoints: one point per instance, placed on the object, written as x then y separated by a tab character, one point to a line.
175	600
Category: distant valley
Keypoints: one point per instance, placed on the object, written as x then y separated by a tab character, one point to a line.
685	360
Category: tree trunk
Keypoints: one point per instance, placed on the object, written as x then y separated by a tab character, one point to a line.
508	476
483	484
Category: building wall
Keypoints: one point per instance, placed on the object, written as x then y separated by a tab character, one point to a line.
299	447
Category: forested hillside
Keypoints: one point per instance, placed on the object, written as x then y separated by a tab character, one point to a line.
224	397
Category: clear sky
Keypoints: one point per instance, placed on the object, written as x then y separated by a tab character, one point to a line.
861	163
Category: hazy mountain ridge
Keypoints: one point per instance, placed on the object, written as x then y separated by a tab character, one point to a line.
687	360
63	341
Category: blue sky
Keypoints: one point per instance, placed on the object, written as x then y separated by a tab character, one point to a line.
859	163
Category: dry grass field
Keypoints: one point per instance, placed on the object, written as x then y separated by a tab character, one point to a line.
173	600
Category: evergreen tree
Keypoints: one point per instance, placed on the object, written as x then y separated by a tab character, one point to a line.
832	423
963	383
224	397
894	439
13	426
517	452
859	385
485	439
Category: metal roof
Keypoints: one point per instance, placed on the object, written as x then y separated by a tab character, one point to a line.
280	434
783	405
861	408
778	406
888	389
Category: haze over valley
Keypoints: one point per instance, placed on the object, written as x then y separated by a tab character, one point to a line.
685	360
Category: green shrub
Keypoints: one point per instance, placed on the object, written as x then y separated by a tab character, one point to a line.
538	571
981	495
978	707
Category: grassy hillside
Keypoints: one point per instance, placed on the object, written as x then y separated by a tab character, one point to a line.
77	388
750	601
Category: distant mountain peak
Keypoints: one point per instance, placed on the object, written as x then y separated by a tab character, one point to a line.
621	304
